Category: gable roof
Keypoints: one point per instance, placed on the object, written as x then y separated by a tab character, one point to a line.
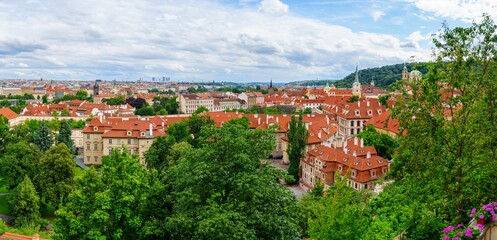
8	113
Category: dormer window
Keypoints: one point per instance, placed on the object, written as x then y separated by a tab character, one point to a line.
369	163
357	113
95	128
345	159
370	112
128	133
142	134
379	111
354	173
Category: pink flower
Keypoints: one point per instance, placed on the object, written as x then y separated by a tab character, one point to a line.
459	234
473	211
459	225
480	226
446	238
482	217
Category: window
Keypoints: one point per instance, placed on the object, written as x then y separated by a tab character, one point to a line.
136	141
118	141
354	174
95	147
87	136
87	158
110	151
129	141
373	173
351	123
95	129
352	131
110	141
87	146
95	158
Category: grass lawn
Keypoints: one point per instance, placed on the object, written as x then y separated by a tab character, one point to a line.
4	205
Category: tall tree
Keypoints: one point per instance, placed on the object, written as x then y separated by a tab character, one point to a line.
43	137
19	160
24	204
65	134
55	179
114	203
297	141
451	121
229	192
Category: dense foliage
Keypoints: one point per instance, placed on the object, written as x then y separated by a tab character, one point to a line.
297	141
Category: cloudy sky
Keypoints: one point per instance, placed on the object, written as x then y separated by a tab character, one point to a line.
222	40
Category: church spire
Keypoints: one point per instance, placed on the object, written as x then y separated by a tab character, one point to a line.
271	83
356	75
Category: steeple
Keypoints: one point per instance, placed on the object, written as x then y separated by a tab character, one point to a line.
271	83
405	73
356	86
356	75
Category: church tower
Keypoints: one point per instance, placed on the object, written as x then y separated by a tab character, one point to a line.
405	74
356	86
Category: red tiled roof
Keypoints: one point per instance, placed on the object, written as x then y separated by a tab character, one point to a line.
8	113
13	236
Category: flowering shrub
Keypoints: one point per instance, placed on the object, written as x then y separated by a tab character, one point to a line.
461	233
486	212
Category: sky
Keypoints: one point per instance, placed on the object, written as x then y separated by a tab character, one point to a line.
220	40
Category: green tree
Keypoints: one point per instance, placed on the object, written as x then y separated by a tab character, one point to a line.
297	141
229	192
20	159
55	179
44	99
179	131
4	132
156	156
115	203
340	214
43	137
64	113
24	204
384	144
65	135
354	98
145	111
196	122
82	95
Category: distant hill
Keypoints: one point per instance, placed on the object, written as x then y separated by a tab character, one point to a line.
321	82
383	76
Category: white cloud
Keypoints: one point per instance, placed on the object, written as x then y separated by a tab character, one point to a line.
129	39
465	10
377	14
273	6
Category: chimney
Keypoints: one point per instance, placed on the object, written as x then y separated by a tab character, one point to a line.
327	120
101	119
368	155
359	103
277	119
162	124
367	103
356	141
267	118
362	143
150	126
258	121
319	133
345	147
354	154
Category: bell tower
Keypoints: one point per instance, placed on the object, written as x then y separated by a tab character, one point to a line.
356	86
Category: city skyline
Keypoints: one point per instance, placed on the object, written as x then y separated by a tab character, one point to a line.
225	40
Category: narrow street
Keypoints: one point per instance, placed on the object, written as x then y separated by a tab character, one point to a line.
296	189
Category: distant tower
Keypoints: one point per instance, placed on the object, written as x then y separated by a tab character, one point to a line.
372	82
96	88
356	86
271	83
405	74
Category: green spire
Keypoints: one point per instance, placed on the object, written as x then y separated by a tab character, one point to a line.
356	74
